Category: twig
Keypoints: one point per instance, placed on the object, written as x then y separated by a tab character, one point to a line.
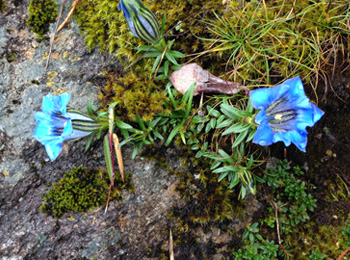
274	205
54	34
155	73
69	15
343	254
171	246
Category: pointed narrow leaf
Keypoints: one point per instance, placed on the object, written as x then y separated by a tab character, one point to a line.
107	152
239	139
155	64
171	58
89	141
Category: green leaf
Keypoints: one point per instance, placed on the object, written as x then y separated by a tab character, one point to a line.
146	48
170	44
161	77
171	58
258	236
207	127
155	64
154	122
213	112
239	139
250	162
108	159
134	152
125	133
249	107
174	132
213	123
243	192
188	97
152	54
226	168
91	108
189	92
166	67
215	165
230	111
176	67
251	238
89	141
222	176
177	54
163	25
251	135
234	182
183	138
236	128
98	135
225	123
120	124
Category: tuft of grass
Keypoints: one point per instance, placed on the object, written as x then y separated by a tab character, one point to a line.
262	42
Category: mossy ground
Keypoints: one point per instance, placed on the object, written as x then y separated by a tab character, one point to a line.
81	189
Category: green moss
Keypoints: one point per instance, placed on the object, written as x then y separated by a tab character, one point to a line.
82	189
2	6
11	57
41	14
327	238
136	92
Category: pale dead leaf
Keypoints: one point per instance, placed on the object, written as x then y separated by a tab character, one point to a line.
118	153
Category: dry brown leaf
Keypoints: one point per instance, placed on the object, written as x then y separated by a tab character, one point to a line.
118	152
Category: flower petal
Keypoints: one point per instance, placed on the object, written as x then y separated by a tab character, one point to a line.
295	137
264	134
264	97
285	114
308	117
53	149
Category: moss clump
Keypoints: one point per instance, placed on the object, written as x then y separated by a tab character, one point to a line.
82	189
2	6
137	95
41	14
327	238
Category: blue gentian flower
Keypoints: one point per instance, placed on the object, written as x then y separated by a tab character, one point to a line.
285	112
141	21
56	123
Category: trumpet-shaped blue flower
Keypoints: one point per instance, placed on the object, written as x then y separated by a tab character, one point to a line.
141	21
285	112
56	123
